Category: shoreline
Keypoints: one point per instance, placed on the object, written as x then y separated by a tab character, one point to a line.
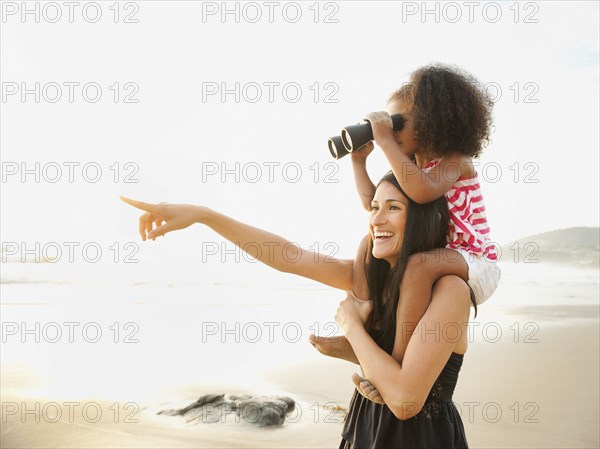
540	391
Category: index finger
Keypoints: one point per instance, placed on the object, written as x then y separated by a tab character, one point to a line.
152	208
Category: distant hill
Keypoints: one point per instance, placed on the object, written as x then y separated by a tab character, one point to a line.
572	246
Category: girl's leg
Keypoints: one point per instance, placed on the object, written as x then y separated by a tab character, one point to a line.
422	271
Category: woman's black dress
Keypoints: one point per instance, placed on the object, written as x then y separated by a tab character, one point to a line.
438	424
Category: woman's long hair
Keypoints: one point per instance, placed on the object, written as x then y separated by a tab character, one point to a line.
426	228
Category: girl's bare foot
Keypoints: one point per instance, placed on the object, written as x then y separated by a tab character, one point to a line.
367	389
338	347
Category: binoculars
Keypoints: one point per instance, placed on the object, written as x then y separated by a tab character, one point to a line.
355	136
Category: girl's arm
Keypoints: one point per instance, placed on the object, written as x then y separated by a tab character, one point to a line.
421	187
364	185
405	388
271	249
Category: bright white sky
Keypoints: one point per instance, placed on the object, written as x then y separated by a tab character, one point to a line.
175	52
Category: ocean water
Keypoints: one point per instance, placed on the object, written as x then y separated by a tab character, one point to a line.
121	331
118	332
172	282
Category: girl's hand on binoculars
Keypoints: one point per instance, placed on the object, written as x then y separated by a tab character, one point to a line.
361	154
382	126
159	219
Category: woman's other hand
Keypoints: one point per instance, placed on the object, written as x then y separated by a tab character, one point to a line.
353	312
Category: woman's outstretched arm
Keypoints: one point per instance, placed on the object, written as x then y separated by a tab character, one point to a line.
405	388
271	249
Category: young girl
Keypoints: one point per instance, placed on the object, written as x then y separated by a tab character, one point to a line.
447	123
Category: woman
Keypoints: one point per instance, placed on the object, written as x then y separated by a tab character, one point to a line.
418	410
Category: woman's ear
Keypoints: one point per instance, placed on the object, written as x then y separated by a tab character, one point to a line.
439	215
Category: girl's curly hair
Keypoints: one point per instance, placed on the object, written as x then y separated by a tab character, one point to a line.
452	112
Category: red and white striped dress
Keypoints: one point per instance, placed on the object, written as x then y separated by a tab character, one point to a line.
468	228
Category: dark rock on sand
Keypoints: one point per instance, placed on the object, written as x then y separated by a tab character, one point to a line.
259	410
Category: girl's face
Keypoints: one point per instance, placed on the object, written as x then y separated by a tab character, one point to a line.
388	219
406	137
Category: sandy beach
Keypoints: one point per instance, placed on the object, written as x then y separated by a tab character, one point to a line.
536	386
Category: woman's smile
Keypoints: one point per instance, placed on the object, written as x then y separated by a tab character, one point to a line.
382	236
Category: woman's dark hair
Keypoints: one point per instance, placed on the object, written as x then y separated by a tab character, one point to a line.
452	111
426	228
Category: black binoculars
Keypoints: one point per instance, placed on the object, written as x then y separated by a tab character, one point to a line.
355	136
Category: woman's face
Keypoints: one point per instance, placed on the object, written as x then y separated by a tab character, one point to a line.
388	218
